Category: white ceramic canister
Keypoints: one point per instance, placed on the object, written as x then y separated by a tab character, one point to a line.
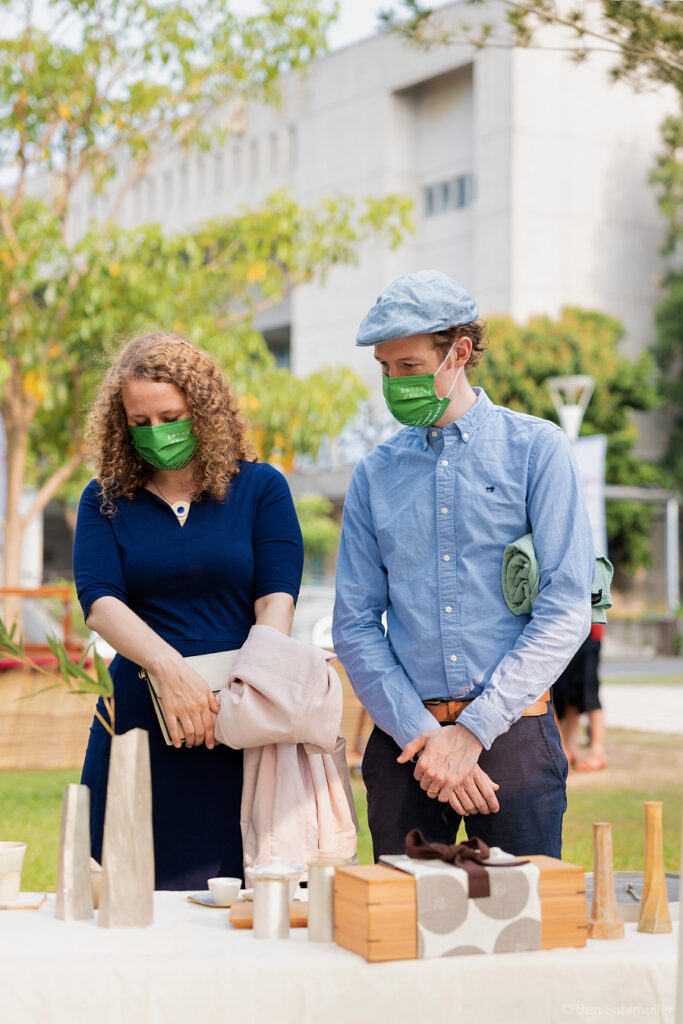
272	886
11	864
321	899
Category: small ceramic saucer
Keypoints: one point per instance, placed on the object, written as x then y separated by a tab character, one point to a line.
205	899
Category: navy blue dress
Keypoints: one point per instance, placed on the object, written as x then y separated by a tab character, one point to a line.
195	585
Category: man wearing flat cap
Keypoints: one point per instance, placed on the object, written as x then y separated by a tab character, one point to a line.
458	685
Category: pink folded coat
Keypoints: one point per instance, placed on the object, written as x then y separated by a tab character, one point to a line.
283	706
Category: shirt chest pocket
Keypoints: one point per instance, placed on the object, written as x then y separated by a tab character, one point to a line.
496	504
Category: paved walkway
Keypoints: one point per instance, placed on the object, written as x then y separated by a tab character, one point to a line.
645	668
654	707
649	708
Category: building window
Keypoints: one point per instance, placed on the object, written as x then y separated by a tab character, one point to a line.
183	181
278	340
452	194
293	145
465	190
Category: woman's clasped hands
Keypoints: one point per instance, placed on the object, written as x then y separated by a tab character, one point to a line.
187	701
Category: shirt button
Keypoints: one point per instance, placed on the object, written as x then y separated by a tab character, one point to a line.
444	510
465	437
435	433
444	462
449	608
446	558
454	657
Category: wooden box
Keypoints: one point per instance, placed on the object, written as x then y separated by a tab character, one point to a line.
375	911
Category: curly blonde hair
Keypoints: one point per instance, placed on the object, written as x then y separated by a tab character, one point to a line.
216	419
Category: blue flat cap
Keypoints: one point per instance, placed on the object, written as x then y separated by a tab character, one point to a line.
420	303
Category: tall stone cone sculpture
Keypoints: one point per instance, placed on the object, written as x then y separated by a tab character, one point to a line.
74	887
127	893
654	906
604	921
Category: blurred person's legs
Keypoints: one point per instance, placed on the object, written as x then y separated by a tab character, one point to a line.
576	692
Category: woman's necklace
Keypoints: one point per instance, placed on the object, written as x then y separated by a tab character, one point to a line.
181	508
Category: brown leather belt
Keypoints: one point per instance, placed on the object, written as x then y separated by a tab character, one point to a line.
448	710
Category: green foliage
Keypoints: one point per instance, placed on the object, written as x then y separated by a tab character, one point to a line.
645	40
667	177
136	75
320	531
669	355
135	81
514	371
207	283
72	675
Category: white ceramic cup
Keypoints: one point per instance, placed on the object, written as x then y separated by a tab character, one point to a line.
224	890
11	863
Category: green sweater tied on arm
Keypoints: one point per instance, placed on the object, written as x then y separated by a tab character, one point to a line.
520	579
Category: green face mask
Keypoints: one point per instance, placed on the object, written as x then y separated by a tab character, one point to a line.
413	401
165	445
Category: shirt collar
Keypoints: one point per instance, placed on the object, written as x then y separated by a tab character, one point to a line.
465	425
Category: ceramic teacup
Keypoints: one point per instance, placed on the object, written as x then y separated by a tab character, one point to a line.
11	863
224	890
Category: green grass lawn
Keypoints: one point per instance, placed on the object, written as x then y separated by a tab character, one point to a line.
30	807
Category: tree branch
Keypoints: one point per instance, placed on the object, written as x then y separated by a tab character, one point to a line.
51	486
260	307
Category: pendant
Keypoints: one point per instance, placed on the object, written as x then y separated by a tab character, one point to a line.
181	508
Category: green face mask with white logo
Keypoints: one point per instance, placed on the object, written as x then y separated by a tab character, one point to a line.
165	445
413	401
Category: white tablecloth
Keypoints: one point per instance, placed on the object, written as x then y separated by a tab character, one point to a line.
191	965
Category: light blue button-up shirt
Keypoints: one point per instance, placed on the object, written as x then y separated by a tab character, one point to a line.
427	517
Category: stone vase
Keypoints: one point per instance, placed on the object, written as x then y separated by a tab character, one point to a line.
127	888
74	888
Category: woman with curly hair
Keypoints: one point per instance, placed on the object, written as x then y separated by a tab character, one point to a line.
183	542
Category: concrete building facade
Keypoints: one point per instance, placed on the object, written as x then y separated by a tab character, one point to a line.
527	171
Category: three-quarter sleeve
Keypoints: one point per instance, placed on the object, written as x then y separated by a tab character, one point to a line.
278	544
96	557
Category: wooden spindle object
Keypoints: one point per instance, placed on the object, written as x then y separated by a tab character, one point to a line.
605	921
127	891
654	906
74	888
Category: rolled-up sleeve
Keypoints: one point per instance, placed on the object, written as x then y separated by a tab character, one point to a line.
361	599
98	571
278	544
561	614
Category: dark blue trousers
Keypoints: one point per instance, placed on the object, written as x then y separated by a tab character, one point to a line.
528	764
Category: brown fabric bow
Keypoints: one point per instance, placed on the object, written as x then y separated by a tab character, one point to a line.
467	855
